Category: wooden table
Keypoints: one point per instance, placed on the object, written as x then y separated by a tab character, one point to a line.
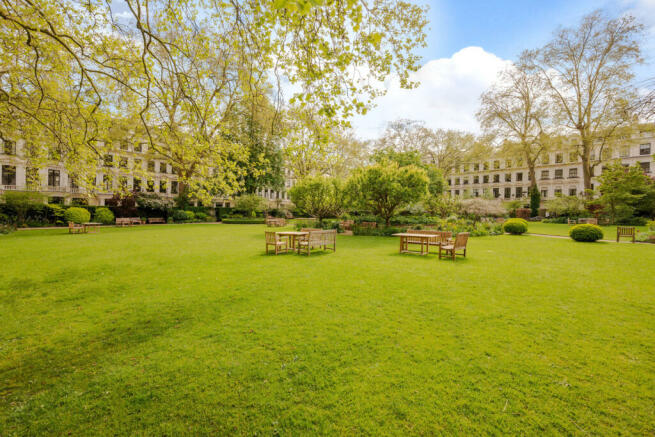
292	236
423	238
91	225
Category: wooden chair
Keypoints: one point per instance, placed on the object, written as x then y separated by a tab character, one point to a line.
625	231
458	245
75	228
273	239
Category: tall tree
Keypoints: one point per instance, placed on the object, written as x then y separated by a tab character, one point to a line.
587	71
514	110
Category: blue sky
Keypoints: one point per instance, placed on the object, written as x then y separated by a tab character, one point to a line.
470	41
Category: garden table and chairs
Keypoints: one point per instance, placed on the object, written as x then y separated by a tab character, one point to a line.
92	227
292	236
303	240
407	238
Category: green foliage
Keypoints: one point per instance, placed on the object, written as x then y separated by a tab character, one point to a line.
586	233
567	206
535	200
319	197
515	226
623	190
55	214
203	217
384	188
182	216
20	202
478	207
153	202
104	216
250	204
77	215
442	206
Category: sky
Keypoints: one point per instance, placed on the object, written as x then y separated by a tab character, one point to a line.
470	41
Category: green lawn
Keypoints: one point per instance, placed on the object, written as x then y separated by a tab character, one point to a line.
560	229
191	329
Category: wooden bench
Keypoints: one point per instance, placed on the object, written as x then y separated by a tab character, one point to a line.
571	221
588	221
625	231
368	224
123	221
275	221
347	225
76	228
440	237
152	220
136	220
326	239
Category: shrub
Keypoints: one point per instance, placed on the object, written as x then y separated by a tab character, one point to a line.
104	216
203	217
646	237
588	233
55	214
633	221
244	221
77	215
651	225
516	226
181	216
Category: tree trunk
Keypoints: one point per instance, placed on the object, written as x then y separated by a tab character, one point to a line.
586	166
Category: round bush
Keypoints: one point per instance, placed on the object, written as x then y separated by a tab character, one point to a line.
589	233
180	215
104	216
77	215
515	226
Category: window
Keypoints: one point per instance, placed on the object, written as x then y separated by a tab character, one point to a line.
456	181
508	192
150	187
173	187
466	168
122	163
519	177
124	145
57	200
108	160
476	167
573	173
572	191
72	182
545	174
106	182
573	156
496	178
140	147
508	177
519	192
476	192
508	163
545	159
544	194
162	167
138	164
136	184
519	162
485	179
9	147
476	179
151	166
644	149
558	191
456	192
496	192
645	166
8	175
559	158
53	178
485	166
162	186
465	181
450	181
559	174
496	165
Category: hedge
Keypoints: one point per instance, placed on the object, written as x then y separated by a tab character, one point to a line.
586	233
515	226
104	216
244	221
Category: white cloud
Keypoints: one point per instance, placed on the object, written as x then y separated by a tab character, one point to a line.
447	97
